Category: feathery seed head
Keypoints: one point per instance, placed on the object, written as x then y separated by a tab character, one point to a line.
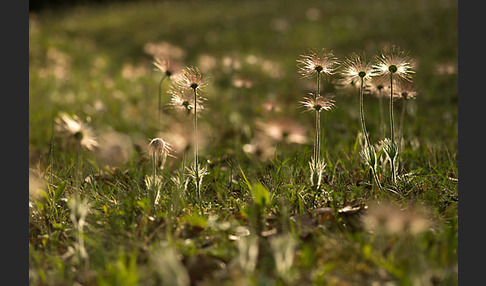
159	147
394	61
317	62
74	130
355	68
406	90
379	86
192	78
318	102
166	66
183	99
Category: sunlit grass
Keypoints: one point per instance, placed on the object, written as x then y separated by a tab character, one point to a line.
256	204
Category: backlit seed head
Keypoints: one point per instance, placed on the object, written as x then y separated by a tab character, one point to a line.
394	61
192	78
318	102
406	90
183	99
159	147
167	66
316	62
75	132
355	68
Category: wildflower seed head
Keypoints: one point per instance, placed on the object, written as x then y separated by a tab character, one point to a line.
192	79
406	90
75	131
316	62
183	99
318	102
379	86
394	61
167	66
355	68
78	136
159	147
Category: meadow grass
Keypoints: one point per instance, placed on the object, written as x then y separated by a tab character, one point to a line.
92	217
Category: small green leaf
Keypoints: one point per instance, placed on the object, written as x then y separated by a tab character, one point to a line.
59	191
261	196
196	220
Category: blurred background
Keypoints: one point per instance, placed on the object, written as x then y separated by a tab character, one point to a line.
95	59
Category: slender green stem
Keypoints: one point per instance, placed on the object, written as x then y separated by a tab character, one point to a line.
159	110
361	113
196	151
316	139
400	136
392	131
318	151
78	167
154	176
365	133
392	124
382	116
317	142
51	155
154	166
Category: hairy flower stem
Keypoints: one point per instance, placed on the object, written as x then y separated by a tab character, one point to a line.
317	141
78	171
159	110
382	116
400	136
361	113
392	131
51	155
154	175
365	133
196	151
